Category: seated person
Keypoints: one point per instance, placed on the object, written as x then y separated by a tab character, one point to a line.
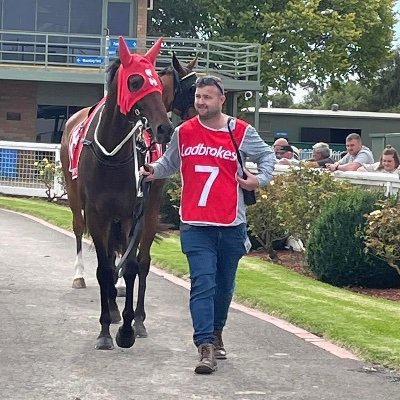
283	142
388	163
278	143
357	155
320	156
285	156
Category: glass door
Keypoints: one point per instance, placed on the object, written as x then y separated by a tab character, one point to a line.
120	17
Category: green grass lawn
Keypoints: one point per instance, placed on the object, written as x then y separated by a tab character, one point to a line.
366	325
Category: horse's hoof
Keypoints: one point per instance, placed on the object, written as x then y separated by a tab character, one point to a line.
140	330
125	339
121	291
79	283
115	316
104	343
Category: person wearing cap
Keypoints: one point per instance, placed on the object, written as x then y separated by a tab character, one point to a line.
320	156
357	155
213	229
285	155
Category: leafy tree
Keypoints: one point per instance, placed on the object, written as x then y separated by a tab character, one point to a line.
349	96
314	41
281	100
386	91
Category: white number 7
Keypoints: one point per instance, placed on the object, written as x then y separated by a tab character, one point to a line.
213	171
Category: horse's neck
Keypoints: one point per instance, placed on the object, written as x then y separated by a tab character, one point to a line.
111	128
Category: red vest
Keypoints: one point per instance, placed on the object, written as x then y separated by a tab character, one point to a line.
208	169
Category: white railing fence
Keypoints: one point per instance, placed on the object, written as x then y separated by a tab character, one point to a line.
19	176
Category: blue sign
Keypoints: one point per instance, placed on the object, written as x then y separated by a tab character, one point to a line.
114	44
89	60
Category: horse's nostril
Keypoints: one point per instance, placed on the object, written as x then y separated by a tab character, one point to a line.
164	133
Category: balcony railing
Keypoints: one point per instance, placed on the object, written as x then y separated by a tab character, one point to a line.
238	61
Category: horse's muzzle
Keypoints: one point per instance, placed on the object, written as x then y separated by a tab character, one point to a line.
164	132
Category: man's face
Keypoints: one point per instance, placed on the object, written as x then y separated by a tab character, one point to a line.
353	146
316	155
208	101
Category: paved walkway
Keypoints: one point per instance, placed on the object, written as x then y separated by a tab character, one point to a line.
48	331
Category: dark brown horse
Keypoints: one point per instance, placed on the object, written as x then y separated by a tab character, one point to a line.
106	187
177	81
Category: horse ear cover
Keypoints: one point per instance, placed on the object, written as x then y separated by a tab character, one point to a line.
152	53
124	53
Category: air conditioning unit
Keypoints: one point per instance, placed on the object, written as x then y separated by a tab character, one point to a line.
150	4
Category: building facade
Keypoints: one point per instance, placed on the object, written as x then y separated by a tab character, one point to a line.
44	75
305	127
54	53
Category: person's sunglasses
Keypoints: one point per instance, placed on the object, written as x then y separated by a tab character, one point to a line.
209	81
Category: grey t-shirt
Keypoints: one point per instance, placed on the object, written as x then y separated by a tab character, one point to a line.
364	156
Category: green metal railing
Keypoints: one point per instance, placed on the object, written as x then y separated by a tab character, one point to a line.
238	61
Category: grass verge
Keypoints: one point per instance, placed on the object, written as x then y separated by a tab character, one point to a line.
366	325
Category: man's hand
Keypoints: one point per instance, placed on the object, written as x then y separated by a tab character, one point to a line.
332	167
147	170
250	183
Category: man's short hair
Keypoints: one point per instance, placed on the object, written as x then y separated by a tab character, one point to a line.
320	145
353	136
210	80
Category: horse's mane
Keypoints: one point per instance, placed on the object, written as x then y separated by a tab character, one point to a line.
111	71
166	70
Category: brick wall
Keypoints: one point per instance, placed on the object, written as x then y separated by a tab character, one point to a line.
18	97
142	26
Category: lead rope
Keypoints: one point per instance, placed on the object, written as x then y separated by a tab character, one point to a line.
143	188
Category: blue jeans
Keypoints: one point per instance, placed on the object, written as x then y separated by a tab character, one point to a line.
213	253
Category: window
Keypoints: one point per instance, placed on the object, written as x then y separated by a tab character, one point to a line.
50	122
14	19
86	16
118	18
52	15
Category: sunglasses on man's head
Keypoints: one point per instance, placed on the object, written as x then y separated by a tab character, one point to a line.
209	81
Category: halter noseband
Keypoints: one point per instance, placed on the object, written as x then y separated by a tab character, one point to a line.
184	89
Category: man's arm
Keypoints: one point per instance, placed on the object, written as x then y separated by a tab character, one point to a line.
260	153
166	165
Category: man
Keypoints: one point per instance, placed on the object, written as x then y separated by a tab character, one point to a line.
286	156
357	155
278	143
213	221
320	156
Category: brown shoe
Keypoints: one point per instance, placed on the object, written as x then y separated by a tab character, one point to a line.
207	363
220	352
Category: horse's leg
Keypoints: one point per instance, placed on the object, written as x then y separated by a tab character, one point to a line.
104	274
112	301
126	335
149	231
73	197
78	281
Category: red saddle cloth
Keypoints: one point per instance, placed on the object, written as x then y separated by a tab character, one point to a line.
156	150
77	138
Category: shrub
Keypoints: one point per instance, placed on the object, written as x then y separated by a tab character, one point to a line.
47	171
382	233
169	209
336	252
263	220
306	191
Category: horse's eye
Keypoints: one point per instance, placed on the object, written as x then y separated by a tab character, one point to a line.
135	83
